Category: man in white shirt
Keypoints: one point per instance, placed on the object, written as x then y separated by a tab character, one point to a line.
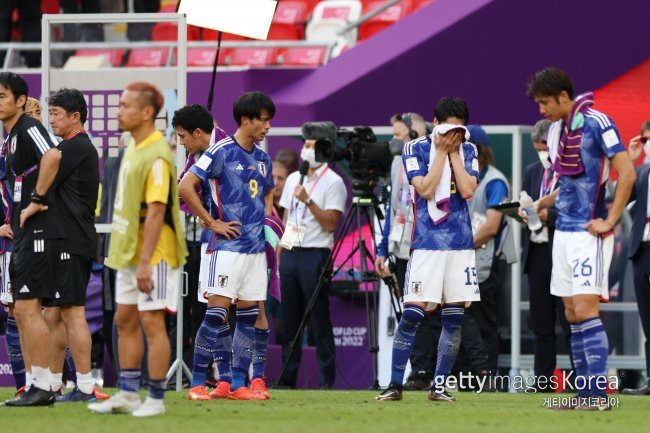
313	210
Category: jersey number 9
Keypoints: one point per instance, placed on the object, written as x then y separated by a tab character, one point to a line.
252	184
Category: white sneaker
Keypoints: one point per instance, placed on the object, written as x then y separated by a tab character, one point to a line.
150	407
119	403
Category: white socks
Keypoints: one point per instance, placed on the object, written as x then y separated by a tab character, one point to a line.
85	382
56	380
41	378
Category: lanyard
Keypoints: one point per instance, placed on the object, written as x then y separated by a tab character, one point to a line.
548	185
311	190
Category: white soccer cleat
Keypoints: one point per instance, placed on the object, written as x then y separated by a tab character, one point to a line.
119	403
150	407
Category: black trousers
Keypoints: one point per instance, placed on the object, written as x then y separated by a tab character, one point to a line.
299	272
142	31
30	24
641	270
86	32
486	311
545	309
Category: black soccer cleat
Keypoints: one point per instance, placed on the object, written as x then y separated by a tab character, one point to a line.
391	393
434	395
33	397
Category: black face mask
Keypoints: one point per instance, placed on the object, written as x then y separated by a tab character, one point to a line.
395	146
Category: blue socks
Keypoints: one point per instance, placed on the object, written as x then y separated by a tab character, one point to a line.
157	388
130	379
579	360
596	349
71	365
259	352
206	343
223	353
243	344
449	343
12	343
403	342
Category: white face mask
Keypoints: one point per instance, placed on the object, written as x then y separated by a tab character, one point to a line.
543	157
309	155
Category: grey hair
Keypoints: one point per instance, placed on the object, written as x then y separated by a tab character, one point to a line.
540	130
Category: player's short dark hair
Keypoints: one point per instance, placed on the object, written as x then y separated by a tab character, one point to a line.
451	106
71	100
289	158
193	116
550	82
148	95
15	83
251	105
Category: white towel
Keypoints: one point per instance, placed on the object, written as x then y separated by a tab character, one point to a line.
553	139
438	206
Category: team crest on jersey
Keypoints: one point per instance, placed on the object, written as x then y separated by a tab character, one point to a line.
12	145
262	168
222	281
416	287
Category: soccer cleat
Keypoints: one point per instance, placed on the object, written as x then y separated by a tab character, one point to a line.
259	386
392	393
76	395
119	403
644	390
150	407
100	395
198	393
58	393
33	397
20	391
243	393
221	391
434	395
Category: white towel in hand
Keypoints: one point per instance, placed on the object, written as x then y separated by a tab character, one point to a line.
438	206
553	139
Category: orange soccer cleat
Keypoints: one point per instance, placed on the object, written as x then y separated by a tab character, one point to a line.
259	386
198	393
243	393
221	391
99	395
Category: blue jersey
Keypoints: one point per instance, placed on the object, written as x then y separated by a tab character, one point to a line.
582	197
454	233
6	197
239	181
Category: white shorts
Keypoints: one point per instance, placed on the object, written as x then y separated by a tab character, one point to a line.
164	295
581	264
441	276
6	297
204	267
238	276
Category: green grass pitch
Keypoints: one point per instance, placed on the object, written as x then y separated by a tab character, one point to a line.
336	411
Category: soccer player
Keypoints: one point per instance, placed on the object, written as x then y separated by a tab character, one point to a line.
147	249
77	185
241	183
443	170
32	161
583	144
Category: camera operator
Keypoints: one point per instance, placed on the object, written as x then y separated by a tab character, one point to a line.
314	205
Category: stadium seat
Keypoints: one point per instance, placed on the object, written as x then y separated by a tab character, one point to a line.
311	5
169	32
202	57
168	8
255	57
50	6
385	19
303	56
114	57
288	22
211	35
148	57
331	16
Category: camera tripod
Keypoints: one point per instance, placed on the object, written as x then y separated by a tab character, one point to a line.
367	206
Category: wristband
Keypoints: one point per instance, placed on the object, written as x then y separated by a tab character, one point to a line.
38	199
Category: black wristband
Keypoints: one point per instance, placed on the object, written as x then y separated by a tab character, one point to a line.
38	199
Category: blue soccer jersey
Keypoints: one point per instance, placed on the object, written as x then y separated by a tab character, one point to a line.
454	233
239	181
582	197
6	197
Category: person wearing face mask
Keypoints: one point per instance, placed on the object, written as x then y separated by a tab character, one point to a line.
313	205
639	251
539	180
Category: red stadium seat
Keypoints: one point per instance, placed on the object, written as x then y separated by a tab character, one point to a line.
311	4
211	35
205	56
385	19
114	57
148	57
169	32
50	6
255	57
288	22
330	17
303	56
